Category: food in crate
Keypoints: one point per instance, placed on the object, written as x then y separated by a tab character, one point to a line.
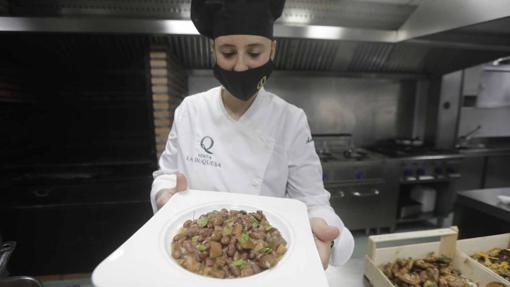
431	271
497	259
228	244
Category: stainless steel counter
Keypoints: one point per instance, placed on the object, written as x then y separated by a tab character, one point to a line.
348	275
485	151
473	152
486	201
479	212
432	157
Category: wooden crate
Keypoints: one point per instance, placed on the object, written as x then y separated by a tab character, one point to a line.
483	244
446	246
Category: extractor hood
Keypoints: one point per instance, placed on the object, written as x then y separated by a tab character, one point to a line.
423	37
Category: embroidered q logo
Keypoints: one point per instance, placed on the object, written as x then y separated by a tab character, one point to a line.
262	82
207	143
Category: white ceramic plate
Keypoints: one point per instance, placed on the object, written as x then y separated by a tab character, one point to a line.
144	259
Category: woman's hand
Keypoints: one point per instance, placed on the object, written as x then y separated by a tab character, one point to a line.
164	195
323	235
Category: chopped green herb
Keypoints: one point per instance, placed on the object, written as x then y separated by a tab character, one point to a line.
238	263
269	227
227	230
266	250
244	237
254	222
201	247
195	238
429	284
202	221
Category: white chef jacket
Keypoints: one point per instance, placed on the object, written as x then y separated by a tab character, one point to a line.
268	151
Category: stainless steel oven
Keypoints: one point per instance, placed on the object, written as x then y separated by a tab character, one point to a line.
425	180
428	183
362	193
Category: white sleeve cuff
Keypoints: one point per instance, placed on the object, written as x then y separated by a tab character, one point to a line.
161	181
344	244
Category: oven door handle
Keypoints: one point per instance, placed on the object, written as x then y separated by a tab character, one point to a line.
374	192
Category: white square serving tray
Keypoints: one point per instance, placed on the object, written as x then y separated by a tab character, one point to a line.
145	260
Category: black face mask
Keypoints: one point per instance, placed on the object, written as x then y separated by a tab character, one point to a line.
244	84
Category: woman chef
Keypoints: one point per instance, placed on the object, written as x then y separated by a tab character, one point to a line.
240	138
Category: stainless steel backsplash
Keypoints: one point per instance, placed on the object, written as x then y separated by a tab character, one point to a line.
371	109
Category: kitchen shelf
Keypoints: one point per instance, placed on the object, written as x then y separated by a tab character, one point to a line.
422	217
435	180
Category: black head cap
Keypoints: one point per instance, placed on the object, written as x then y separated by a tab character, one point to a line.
214	18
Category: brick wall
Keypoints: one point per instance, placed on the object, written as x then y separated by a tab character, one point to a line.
169	87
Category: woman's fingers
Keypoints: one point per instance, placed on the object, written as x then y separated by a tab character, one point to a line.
323	231
323	235
324	250
165	194
182	183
